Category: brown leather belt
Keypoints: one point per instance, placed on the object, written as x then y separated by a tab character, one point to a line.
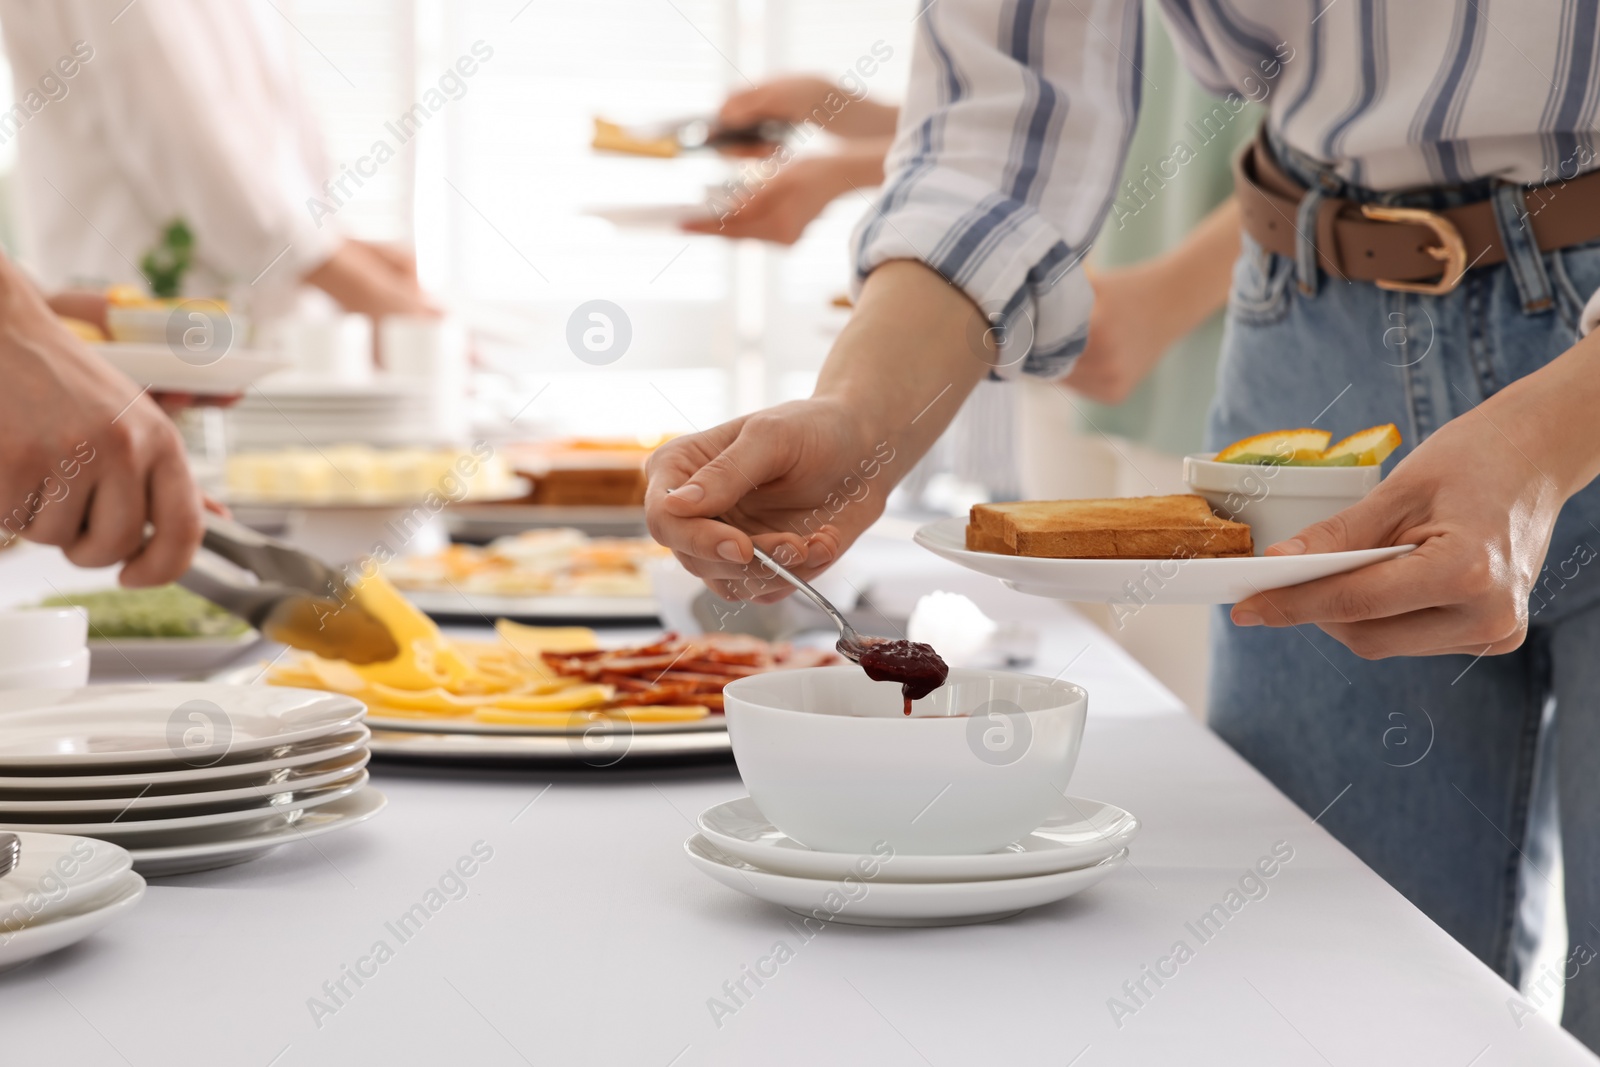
1410	250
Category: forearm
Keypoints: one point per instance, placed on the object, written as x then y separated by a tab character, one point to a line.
864	119
1194	277
913	350
1548	417
363	282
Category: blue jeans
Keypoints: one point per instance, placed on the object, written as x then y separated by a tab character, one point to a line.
1428	763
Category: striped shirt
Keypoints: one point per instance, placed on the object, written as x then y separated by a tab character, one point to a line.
1009	154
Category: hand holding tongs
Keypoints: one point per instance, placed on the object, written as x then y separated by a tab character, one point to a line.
298	600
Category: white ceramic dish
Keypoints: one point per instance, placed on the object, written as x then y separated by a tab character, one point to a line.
157	830
870	902
452	604
1080	833
830	758
162	726
125	657
650	216
187	857
32	942
1277	501
184	798
57	874
599	749
260	771
1145	581
32	635
158	367
68	672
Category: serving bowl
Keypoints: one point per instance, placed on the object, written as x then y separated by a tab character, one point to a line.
1277	501
829	756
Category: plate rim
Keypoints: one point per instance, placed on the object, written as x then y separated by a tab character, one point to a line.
1122	840
374	799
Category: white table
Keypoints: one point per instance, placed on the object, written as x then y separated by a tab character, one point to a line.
588	937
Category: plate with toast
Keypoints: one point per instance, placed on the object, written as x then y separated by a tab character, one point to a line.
1129	550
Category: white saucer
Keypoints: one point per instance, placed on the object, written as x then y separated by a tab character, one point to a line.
1145	581
1082	833
878	903
158	367
56	876
193	800
162	726
236	772
127	830
187	858
33	941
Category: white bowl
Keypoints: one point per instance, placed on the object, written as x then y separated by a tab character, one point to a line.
1277	501
67	673
830	758
29	636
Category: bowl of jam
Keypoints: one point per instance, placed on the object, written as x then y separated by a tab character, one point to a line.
831	757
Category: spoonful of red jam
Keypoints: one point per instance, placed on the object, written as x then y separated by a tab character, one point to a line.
916	666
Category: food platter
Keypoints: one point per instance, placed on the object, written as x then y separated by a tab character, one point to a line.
448	604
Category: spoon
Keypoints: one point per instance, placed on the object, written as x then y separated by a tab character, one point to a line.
10	853
916	666
851	644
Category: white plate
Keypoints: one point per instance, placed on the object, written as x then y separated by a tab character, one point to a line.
206	796
164	726
442	725
122	657
879	903
650	216
247	772
56	876
597	750
33	941
1081	834
158	367
127	830
189	857
532	608
1145	581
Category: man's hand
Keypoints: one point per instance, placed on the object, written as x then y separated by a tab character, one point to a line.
782	208
88	459
1480	499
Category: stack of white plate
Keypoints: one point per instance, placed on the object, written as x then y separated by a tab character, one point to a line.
63	889
185	776
1081	843
389	412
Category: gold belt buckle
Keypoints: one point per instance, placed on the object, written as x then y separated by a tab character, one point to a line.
1451	249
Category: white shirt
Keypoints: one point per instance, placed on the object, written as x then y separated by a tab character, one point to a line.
177	108
1011	144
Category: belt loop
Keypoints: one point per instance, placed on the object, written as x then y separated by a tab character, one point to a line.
1522	249
1305	242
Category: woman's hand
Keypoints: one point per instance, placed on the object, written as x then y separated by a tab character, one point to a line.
798	98
1129	332
796	480
803	480
1480	499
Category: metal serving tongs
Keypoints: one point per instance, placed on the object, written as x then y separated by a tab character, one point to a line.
698	132
297	600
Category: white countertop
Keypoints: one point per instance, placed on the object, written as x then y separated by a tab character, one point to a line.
588	938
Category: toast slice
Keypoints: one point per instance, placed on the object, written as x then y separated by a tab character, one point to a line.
1147	527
